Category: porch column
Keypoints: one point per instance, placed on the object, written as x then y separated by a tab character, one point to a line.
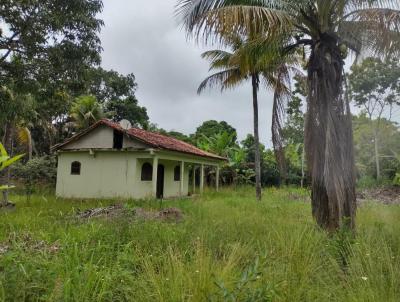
201	178
182	177
217	179
155	172
194	178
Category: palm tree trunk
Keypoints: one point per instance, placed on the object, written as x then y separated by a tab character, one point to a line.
329	139
257	161
376	147
277	138
302	167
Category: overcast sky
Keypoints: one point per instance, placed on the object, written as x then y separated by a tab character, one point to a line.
144	38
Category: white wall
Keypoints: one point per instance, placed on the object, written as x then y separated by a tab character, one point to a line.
112	174
102	138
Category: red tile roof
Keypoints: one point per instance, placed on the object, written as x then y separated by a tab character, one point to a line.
154	140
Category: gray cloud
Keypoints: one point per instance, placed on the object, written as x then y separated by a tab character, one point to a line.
144	38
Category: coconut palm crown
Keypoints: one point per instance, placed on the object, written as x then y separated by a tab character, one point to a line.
328	30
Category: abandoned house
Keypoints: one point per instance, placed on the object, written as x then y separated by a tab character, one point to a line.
114	160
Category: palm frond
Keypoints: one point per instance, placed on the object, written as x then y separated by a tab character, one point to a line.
226	79
24	136
219	59
375	30
208	19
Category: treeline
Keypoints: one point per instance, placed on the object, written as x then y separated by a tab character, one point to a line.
221	138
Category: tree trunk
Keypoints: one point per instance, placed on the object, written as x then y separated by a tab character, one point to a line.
257	162
302	167
329	139
277	138
377	162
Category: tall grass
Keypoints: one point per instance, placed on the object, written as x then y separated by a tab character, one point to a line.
228	248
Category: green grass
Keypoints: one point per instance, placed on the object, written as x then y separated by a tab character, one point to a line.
228	248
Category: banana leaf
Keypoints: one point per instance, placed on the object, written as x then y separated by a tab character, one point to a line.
2	188
10	161
3	151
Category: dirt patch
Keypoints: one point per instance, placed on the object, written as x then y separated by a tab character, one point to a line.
298	197
170	214
27	243
7	207
119	211
4	248
385	195
110	211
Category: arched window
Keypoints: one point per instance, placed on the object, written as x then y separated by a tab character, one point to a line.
76	168
147	172
177	173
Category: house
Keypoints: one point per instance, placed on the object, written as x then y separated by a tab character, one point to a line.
114	160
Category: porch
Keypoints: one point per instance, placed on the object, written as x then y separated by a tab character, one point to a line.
182	164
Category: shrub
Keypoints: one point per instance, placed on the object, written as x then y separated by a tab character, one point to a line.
37	173
396	180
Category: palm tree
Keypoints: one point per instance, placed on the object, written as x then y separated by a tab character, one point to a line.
329	28
85	111
247	61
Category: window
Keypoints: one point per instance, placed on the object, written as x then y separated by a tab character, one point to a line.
177	173
147	172
118	139
76	168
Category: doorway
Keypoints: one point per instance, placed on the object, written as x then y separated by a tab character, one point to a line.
160	181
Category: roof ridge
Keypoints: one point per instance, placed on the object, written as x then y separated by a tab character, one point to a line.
151	138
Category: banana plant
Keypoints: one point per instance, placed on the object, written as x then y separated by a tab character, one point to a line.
6	161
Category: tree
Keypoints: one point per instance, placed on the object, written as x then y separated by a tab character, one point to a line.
293	130
172	133
219	143
86	111
128	109
46	29
116	93
374	86
212	127
330	29
364	130
46	49
233	68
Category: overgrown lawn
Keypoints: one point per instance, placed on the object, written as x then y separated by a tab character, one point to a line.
228	248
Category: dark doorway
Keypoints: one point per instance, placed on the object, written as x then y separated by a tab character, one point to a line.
118	140
160	181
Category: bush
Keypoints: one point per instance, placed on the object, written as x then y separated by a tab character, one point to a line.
37	173
396	180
